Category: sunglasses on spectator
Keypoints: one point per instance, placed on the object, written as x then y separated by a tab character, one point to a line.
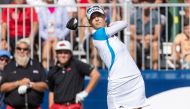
4	59
62	51
20	49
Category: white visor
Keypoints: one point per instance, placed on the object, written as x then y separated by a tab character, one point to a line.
93	9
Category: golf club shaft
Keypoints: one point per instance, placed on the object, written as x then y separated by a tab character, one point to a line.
26	100
84	26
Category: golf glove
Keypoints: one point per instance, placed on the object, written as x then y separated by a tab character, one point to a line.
22	89
72	24
81	96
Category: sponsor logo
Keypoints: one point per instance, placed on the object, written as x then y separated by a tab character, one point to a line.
14	72
35	71
68	69
121	107
63	72
95	8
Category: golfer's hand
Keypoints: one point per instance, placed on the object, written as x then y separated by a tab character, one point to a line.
72	24
81	96
22	89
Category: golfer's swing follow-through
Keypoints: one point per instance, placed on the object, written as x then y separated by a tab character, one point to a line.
126	88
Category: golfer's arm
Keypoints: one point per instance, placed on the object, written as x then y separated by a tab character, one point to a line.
115	27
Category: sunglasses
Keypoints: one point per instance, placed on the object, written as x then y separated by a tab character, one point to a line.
62	52
4	59
20	49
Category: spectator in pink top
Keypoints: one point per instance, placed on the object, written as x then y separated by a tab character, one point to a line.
52	22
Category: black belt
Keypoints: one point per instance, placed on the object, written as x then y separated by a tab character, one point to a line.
67	103
25	108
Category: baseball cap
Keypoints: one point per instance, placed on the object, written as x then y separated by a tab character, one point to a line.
23	40
93	9
63	45
5	53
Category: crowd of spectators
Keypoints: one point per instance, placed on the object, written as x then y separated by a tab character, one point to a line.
46	26
18	23
148	38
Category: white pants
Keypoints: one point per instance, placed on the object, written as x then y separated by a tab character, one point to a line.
127	93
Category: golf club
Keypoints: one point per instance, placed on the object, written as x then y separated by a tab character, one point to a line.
26	100
1	101
84	26
73	24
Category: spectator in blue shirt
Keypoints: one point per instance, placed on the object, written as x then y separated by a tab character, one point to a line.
4	59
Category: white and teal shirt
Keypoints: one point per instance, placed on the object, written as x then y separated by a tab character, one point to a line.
114	53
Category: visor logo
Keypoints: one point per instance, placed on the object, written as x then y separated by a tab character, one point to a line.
95	8
62	44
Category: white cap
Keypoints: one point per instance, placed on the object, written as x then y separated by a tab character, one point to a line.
93	9
23	40
63	45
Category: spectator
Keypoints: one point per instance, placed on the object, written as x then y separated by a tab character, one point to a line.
135	1
13	21
111	13
5	1
4	59
66	79
23	79
52	28
159	1
162	11
187	12
148	35
72	10
0	27
181	46
36	2
163	19
132	9
2	45
131	2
